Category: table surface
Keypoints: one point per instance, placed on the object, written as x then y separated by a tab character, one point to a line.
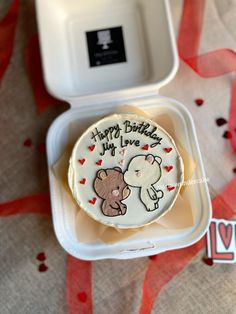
117	285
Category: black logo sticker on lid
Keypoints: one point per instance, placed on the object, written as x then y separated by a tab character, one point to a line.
106	46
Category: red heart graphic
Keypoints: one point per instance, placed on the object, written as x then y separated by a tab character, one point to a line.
225	234
41	257
93	201
145	147
91	148
81	161
168	168
82	297
82	181
170	188
99	162
168	150
42	268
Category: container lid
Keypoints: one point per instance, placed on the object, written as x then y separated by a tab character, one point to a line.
106	50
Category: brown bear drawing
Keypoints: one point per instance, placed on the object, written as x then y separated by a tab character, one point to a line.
109	185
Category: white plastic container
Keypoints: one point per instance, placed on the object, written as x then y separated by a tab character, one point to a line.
149	61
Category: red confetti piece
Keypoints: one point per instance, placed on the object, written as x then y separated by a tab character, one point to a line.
82	297
28	142
41	257
83	181
168	168
81	161
7	35
145	147
42	268
199	102
170	188
93	201
91	148
99	162
221	121
42	148
227	135
34	70
208	261
168	149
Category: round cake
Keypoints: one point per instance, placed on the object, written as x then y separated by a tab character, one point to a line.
125	171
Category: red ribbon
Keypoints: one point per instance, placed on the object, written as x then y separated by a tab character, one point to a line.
79	286
34	69
7	35
211	64
31	204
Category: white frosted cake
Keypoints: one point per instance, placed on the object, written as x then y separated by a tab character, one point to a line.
125	171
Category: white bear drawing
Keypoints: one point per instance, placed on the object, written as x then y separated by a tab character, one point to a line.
143	172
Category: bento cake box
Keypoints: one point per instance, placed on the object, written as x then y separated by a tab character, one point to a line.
97	56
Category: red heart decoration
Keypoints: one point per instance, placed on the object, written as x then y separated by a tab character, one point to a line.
170	188
82	297
145	147
168	168
41	257
82	181
28	142
225	234
42	268
199	102
81	161
93	201
91	148
168	150
99	162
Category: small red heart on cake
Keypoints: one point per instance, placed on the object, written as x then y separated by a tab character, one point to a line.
81	161
91	148
199	102
168	149
145	147
170	188
168	168
99	162
93	201
82	181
